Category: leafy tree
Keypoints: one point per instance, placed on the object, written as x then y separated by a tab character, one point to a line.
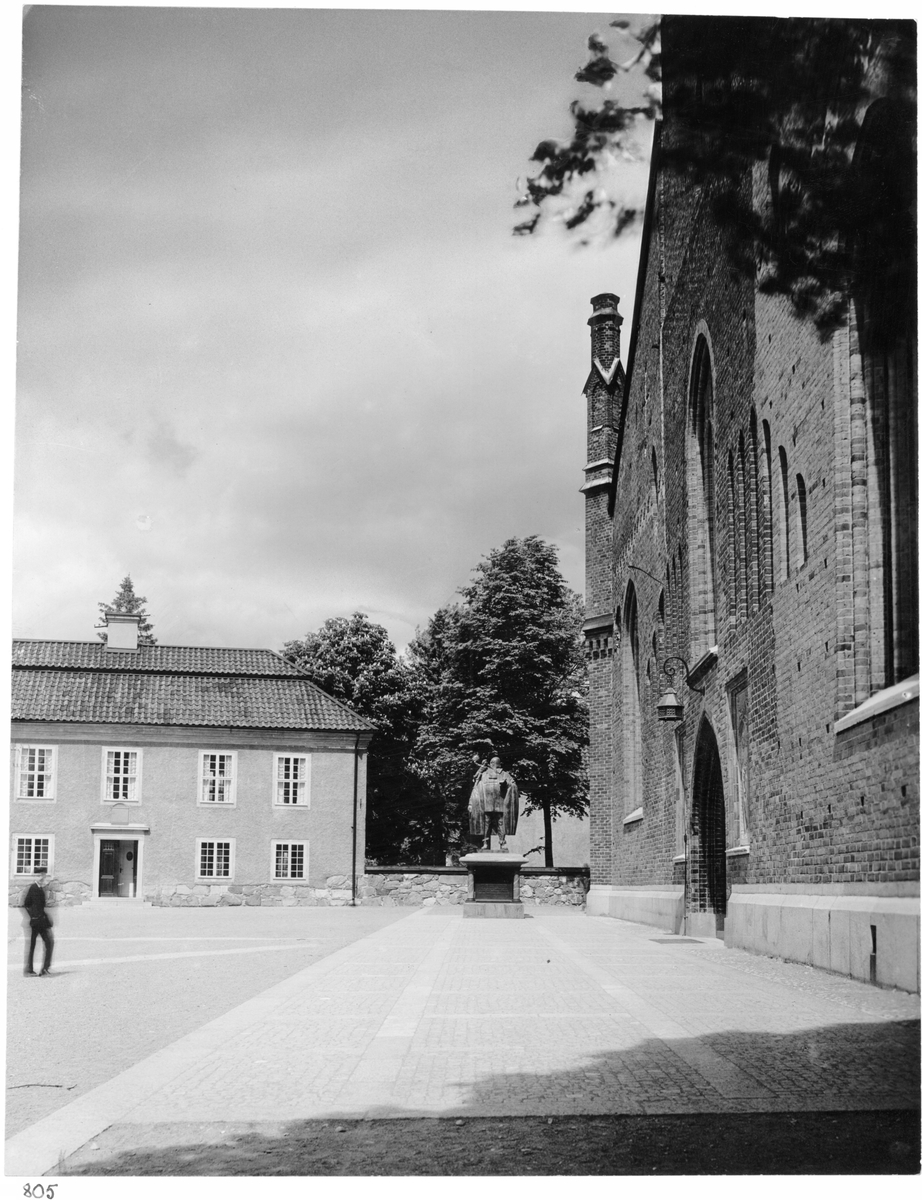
735	91
126	601
503	673
354	660
442	770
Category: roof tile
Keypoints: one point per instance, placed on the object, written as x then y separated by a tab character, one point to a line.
170	685
173	659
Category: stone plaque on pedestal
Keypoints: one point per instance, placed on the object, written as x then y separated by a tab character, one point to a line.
493	885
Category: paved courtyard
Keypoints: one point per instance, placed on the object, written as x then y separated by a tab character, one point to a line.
420	1013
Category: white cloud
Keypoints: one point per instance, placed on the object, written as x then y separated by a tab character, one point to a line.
281	372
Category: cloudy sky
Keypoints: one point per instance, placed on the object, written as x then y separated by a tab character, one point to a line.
279	356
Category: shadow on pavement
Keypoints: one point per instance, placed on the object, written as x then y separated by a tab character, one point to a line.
824	1067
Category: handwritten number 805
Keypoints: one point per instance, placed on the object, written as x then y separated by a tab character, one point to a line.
41	1191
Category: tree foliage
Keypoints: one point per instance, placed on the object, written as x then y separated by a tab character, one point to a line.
503	673
736	91
126	601
354	660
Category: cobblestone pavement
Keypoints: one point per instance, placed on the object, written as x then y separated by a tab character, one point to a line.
129	980
435	1015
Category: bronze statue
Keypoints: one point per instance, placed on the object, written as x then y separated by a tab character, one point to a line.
494	803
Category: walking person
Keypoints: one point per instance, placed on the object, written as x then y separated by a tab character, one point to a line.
34	904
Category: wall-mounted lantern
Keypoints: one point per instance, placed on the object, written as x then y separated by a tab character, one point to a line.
668	709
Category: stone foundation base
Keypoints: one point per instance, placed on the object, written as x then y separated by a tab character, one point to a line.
662	906
494	908
337	893
410	888
59	893
872	938
845	928
429	888
702	924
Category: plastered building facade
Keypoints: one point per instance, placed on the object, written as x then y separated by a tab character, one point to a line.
751	544
181	776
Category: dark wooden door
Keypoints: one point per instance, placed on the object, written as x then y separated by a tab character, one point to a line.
709	875
108	868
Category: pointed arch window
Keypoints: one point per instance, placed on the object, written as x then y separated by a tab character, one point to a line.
785	531
755	516
631	692
769	510
801	520
743	529
733	521
884	264
661	615
701	500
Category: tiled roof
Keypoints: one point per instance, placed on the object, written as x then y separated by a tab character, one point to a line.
194	660
170	685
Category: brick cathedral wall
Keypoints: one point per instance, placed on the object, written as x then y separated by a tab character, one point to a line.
823	808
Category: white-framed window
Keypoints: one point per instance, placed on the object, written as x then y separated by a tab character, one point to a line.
36	768
217	777
289	860
121	776
214	858
291	780
32	854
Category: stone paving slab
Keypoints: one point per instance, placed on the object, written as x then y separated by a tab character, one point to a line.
130	981
546	1016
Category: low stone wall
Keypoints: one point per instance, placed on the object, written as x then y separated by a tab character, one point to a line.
391	886
58	893
379	886
338	892
540	888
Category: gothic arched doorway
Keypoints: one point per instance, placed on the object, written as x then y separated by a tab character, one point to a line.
706	892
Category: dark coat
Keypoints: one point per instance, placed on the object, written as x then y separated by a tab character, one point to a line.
510	795
34	904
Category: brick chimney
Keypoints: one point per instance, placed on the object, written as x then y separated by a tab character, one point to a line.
605	323
122	630
603	392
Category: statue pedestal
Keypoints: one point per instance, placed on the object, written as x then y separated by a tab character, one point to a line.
493	885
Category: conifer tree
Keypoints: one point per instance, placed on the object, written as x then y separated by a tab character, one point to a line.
125	601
